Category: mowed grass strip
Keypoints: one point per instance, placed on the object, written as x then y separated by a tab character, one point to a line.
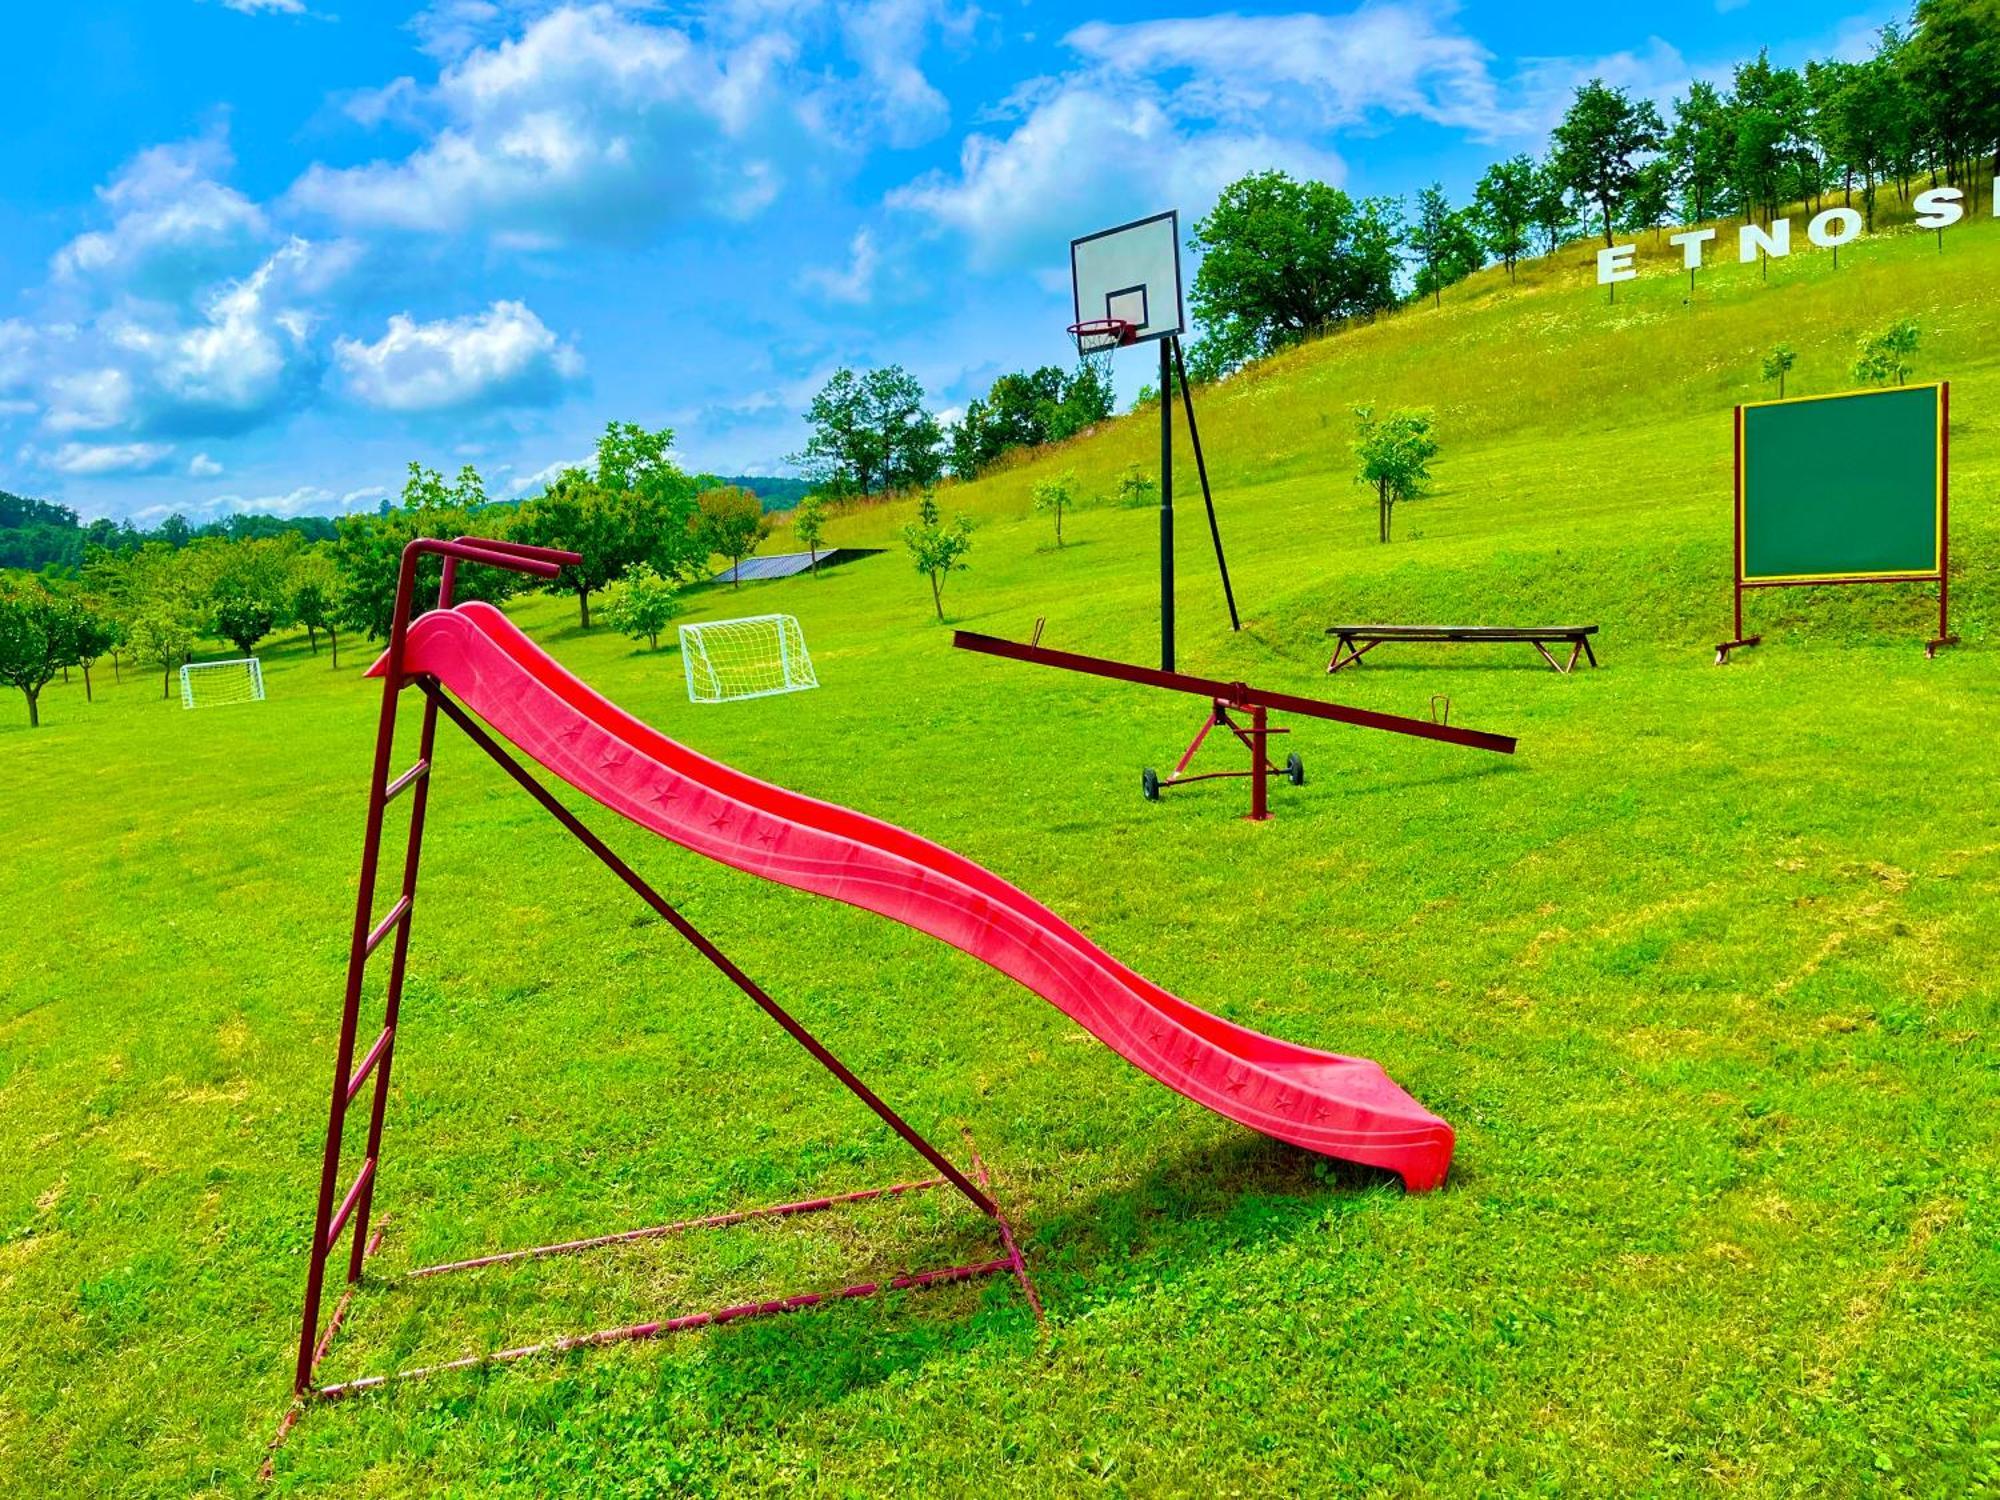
1702	976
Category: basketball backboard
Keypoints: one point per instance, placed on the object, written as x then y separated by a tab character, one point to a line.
1132	273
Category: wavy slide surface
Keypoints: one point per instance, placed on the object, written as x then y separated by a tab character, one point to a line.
1344	1107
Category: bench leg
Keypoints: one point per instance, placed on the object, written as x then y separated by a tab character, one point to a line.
1587	651
1354	654
1550	659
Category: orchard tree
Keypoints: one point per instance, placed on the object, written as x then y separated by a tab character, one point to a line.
871	434
1055	495
732	526
38	638
1887	355
95	634
1778	364
937	547
809	526
642	603
637	507
1395	451
1136	487
1284	260
162	636
315	585
367	550
247	587
1503	209
1599	143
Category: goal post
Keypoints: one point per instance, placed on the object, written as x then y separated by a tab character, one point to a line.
749	658
211	684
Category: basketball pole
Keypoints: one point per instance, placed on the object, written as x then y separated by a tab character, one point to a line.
1166	506
1207	495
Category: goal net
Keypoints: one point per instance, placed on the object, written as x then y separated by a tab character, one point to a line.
752	658
209	684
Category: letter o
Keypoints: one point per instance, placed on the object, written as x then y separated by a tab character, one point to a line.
1823	235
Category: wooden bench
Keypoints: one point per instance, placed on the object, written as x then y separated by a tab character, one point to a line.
1356	641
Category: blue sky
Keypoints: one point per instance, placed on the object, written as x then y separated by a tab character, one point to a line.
260	254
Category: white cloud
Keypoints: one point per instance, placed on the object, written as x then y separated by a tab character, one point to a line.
886	39
503	356
201	466
366	495
541	479
854	283
591	122
263	7
173	227
93	400
247	357
1544	86
95	460
1392	58
1091	154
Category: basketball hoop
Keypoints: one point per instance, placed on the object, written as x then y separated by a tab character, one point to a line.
1095	335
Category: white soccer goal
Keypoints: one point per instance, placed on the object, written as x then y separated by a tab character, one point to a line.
207	684
751	658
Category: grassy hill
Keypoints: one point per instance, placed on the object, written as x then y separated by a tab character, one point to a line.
1702	977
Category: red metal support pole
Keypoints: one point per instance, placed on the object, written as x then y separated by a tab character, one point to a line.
1260	767
1736	512
1945	637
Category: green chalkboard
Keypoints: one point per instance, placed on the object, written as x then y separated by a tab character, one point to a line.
1842	487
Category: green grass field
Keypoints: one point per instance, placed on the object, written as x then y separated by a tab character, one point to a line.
1703	977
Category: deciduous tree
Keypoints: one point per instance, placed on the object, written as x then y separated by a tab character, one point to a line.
641	604
937	547
1503	209
732	525
1395	451
1284	260
38	638
809	526
1599	144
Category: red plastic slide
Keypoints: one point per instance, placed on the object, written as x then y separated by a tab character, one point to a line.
1344	1107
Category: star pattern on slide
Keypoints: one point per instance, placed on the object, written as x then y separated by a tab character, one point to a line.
719	821
664	795
767	838
1235	1085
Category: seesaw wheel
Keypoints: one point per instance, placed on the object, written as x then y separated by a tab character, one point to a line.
1295	769
1149	784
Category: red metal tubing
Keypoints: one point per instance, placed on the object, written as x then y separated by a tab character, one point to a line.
635	1331
713	1221
368	1063
387	925
522	549
347	1204
402	783
1235	693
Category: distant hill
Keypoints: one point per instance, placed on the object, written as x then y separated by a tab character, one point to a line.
776	493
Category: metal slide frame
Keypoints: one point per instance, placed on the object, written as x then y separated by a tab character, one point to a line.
337	1214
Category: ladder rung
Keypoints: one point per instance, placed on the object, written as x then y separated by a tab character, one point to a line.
347	1204
368	1063
386	926
403	783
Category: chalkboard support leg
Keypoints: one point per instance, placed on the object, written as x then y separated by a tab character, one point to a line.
1723	648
